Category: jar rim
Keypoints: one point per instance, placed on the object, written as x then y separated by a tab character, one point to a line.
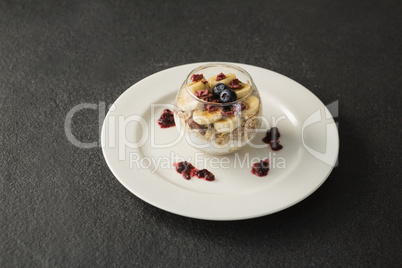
225	65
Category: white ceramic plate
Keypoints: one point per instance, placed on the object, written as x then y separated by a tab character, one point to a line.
137	152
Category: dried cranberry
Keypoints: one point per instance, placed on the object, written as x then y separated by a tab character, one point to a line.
196	77
220	76
228	110
244	107
203	94
211	108
234	84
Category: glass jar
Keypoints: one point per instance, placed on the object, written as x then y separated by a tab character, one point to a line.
210	116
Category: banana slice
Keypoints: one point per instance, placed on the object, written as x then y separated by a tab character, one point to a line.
227	124
185	101
244	90
204	117
253	106
199	85
212	80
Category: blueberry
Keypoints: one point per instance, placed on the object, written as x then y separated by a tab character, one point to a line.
227	95
218	89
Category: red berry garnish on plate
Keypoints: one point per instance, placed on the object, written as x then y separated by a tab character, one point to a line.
166	119
275	145
272	138
261	168
205	174
188	171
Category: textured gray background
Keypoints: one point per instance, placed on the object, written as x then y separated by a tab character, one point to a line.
61	206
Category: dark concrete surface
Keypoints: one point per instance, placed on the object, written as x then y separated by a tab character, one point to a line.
62	207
